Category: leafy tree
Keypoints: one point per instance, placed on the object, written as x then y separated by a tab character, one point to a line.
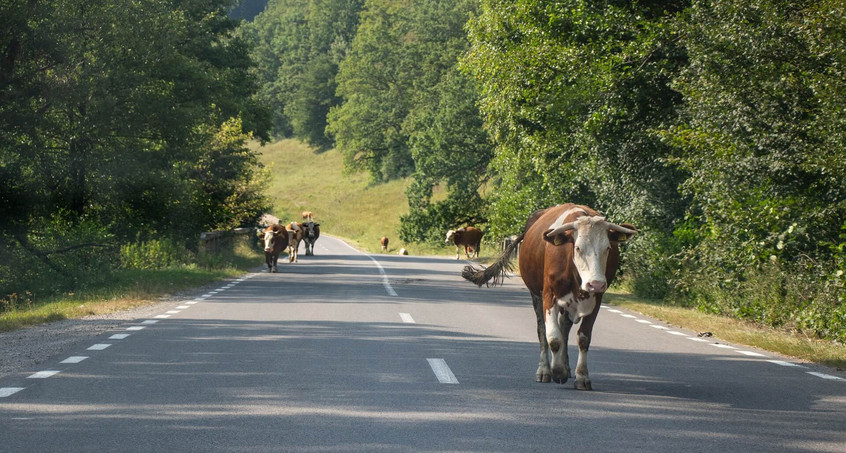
573	93
298	46
762	138
106	110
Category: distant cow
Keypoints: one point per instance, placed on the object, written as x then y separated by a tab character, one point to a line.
308	215
469	237
568	258
384	243
295	235
310	235
275	240
402	251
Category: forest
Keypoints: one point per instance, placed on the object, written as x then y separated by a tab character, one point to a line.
716	127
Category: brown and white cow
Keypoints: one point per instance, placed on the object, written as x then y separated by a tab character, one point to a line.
384	243
568	257
275	240
295	235
311	232
468	237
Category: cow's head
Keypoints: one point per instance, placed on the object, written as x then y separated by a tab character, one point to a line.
449	236
591	238
270	238
310	228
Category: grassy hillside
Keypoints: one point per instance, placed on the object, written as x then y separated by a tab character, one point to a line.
345	205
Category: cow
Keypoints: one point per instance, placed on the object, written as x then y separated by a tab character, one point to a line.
402	251
469	237
384	243
308	215
568	257
311	231
275	240
295	235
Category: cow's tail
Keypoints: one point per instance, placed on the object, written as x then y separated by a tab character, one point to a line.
496	271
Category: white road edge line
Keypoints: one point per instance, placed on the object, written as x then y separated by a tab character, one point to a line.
825	376
406	318
99	346
442	371
8	391
74	359
385	281
783	363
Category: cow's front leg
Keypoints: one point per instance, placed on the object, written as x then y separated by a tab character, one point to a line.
557	343
582	377
457	251
543	374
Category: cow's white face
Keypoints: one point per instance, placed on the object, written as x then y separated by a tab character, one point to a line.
449	236
590	252
269	241
591	245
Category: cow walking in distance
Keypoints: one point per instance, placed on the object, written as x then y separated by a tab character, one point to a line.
311	232
384	243
569	256
275	240
468	237
295	235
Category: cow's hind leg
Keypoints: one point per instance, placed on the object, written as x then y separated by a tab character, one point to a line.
543	374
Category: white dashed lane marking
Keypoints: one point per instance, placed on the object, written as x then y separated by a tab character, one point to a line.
721	346
8	391
119	336
406	318
136	327
442	371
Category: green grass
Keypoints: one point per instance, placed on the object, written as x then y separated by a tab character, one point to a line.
346	205
129	288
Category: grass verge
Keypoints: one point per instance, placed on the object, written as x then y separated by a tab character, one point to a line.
736	331
129	288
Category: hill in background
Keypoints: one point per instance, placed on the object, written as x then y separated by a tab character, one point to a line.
346	205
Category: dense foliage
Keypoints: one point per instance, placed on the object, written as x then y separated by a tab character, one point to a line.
119	120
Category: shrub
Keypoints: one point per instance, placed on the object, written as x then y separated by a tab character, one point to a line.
154	254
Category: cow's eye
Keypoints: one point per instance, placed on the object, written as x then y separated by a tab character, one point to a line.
579	249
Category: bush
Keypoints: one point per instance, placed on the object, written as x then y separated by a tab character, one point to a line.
154	254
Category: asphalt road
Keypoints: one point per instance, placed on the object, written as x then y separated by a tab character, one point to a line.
347	352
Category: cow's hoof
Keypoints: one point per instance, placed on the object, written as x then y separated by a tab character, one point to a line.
543	376
560	375
583	384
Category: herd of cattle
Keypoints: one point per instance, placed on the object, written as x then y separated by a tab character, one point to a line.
568	255
281	237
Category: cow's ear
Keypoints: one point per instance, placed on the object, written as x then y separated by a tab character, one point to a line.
620	236
316	224
558	238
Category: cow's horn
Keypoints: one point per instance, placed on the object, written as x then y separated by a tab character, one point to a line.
566	227
621	229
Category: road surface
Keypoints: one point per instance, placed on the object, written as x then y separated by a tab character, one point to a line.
349	352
